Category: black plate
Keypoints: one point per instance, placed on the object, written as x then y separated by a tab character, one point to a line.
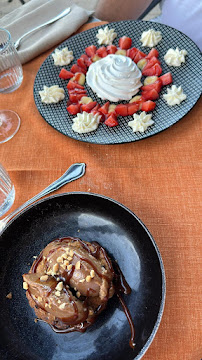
91	217
187	75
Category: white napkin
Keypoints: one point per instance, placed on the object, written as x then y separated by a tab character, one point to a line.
37	12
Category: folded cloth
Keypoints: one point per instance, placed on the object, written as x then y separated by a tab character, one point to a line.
37	12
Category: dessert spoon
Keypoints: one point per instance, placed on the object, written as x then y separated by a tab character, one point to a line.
59	16
74	172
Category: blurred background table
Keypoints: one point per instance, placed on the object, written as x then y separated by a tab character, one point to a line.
157	178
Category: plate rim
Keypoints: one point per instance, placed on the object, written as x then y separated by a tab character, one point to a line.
85	140
162	268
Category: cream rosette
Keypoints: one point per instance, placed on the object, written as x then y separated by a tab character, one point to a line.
114	78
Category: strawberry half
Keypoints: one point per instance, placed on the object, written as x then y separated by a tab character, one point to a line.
153	52
73	109
65	74
73	85
101	52
122	109
111	49
157	85
148	106
166	79
104	108
75	68
111	121
88	107
150	95
125	42
90	50
154	70
132	52
132	108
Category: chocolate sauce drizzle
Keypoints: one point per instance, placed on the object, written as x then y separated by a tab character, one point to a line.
119	282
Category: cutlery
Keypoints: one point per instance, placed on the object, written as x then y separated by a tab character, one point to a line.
62	14
74	172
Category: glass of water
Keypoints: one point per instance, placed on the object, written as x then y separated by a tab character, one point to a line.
7	191
11	76
10	66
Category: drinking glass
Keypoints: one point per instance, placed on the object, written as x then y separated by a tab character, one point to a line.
7	191
10	79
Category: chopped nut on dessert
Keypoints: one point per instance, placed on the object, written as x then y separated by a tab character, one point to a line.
64	256
25	285
57	293
78	294
44	278
82	280
92	273
55	268
39	299
60	259
35	320
69	267
69	258
88	278
59	286
9	296
78	265
71	253
62	306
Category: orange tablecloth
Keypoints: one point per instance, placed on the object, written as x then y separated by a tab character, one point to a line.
157	178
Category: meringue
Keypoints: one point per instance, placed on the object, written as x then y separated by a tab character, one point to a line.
86	122
141	122
150	38
62	57
53	94
106	36
174	95
175	57
114	78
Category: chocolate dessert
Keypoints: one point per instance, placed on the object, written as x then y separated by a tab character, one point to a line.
70	283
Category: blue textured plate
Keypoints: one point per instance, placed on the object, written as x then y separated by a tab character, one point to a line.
187	75
125	237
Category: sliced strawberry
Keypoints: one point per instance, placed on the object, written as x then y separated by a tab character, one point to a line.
148	106
77	91
157	85
73	85
73	109
74	98
111	49
153	52
104	108
101	52
150	95
86	59
154	70
122	109
132	52
95	109
125	42
75	68
90	50
151	63
81	63
166	79
139	55
65	74
88	107
132	108
111	120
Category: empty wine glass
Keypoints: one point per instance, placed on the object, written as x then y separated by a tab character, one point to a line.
11	77
7	191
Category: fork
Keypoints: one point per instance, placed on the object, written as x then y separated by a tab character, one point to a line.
59	16
74	172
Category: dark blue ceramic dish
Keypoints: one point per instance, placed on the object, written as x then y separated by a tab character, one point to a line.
124	236
164	116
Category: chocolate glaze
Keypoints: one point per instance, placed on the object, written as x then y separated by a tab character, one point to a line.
118	283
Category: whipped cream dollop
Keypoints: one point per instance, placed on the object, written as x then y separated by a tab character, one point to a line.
150	38
141	122
175	95
175	57
53	94
63	56
114	78
86	122
106	36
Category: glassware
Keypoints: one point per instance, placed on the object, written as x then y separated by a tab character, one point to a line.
7	191
10	79
10	67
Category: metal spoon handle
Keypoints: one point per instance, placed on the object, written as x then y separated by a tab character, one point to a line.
62	14
74	172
